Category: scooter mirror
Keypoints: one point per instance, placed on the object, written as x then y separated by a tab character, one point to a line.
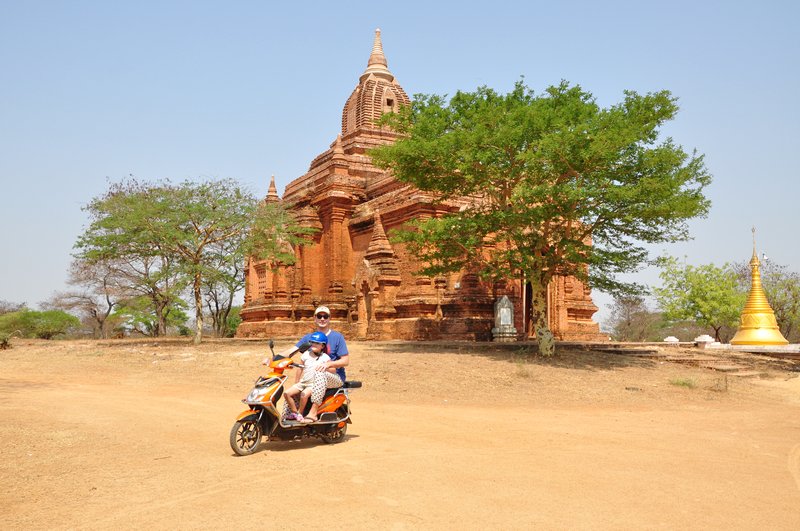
304	346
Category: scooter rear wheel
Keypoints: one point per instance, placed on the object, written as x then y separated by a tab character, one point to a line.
245	437
335	435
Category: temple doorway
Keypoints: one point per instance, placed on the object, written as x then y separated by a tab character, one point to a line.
527	314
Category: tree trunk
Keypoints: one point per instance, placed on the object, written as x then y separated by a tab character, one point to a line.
161	319
99	324
161	324
213	311
198	305
226	312
544	336
104	319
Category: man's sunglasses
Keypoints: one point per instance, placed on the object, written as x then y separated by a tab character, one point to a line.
322	316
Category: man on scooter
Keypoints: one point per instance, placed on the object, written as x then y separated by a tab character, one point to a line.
304	379
325	378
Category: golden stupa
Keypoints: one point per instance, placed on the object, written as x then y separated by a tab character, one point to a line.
758	325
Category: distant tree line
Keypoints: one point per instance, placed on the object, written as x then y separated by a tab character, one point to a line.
153	252
705	299
17	320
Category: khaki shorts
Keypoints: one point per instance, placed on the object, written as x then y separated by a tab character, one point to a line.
302	386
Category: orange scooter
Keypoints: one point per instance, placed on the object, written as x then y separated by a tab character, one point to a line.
264	419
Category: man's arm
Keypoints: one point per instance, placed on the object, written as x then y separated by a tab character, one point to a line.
331	366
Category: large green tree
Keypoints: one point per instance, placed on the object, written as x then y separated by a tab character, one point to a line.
126	238
182	225
707	294
561	185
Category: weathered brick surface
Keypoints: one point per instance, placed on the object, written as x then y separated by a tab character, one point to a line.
369	283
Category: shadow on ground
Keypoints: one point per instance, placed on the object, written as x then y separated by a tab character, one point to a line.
567	356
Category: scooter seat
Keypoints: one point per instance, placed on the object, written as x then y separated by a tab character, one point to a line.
330	392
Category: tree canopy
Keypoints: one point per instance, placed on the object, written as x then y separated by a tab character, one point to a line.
706	294
561	186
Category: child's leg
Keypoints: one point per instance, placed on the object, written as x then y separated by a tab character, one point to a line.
289	396
304	398
322	381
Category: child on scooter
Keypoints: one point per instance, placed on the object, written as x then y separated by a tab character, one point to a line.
304	381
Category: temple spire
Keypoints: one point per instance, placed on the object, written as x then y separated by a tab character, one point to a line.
757	325
380	255
338	150
379	244
272	194
377	93
377	64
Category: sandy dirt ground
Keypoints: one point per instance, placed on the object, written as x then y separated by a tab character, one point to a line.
134	435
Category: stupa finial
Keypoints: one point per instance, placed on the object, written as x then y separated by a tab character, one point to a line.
377	57
377	64
754	263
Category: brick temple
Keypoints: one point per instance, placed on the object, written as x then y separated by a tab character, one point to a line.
369	283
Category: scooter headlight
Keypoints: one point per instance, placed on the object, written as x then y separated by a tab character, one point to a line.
257	394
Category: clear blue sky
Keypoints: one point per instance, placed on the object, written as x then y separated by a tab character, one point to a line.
92	91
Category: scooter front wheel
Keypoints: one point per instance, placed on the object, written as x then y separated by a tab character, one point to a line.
245	437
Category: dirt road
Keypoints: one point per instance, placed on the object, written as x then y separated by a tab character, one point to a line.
134	434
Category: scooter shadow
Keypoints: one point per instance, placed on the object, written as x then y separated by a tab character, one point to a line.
302	444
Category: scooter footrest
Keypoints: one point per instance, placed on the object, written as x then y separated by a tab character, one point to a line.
328	417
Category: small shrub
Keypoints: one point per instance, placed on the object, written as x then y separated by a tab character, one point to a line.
683	382
42	325
522	366
5	341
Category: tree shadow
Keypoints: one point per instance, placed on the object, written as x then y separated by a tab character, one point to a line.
572	355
